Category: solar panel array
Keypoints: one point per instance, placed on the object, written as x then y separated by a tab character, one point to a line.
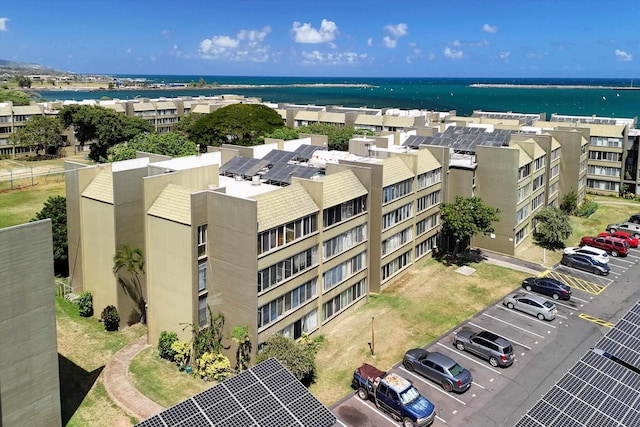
583	119
282	174
265	395
243	166
523	118
602	388
305	151
462	139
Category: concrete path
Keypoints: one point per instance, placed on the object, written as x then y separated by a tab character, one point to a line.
120	389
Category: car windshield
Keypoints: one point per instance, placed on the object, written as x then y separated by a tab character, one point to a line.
456	370
409	395
549	304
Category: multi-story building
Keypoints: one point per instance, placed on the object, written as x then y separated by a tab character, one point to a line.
12	118
29	378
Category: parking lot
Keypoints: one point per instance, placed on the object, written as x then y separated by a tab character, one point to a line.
543	350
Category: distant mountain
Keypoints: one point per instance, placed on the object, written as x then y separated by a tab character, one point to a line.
13	68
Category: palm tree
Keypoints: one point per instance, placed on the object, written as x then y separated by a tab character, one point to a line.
131	260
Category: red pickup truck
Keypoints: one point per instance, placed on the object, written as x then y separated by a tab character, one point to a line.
612	245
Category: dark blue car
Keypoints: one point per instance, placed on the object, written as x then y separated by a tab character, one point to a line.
547	286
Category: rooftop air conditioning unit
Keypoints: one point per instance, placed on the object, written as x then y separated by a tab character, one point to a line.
237	177
255	180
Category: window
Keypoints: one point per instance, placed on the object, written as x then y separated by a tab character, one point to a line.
202	275
521	234
555	171
281	271
396	265
396	216
539	163
304	325
397	240
524	191
338	274
602	141
553	188
287	303
286	233
524	171
395	191
202	240
425	202
429	178
344	211
202	310
538	182
344	242
344	300
522	214
425	247
603	185
604	171
427	224
537	202
606	156
555	154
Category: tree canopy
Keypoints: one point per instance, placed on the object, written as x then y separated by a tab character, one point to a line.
15	96
185	122
104	126
297	356
55	207
552	228
464	218
40	133
168	144
240	124
338	136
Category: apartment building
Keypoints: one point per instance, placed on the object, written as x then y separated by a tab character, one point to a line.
285	242
29	378
12	118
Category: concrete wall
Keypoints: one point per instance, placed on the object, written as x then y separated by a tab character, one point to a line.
29	377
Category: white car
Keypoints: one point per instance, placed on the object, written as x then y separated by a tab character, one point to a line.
595	253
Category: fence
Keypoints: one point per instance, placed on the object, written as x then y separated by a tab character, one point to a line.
15	175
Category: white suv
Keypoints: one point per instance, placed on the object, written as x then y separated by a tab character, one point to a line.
595	253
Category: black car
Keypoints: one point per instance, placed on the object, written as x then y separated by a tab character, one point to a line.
585	263
497	350
547	286
635	218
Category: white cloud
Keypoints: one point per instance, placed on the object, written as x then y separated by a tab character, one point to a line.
398	30
3	24
129	50
504	55
452	53
489	28
247	46
456	43
305	33
165	33
622	55
389	42
369	42
338	58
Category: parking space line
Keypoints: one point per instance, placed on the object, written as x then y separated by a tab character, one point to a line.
595	320
386	415
512	325
584	301
581	284
478	385
513	341
474	360
432	384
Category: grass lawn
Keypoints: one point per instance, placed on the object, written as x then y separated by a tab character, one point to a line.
84	348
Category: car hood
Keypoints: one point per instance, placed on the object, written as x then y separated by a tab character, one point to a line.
421	407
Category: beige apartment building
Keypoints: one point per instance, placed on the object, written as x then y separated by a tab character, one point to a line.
29	377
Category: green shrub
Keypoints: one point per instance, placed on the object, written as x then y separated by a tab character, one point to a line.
164	345
586	208
182	351
214	366
85	304
110	318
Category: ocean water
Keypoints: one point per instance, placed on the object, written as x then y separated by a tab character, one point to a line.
603	98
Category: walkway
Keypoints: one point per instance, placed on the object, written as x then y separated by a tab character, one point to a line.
120	389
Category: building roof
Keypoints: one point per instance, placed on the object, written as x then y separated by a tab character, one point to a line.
174	204
394	171
101	188
427	162
284	205
341	187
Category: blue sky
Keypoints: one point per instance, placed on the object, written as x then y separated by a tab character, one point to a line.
329	38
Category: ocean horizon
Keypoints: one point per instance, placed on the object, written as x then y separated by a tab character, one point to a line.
583	97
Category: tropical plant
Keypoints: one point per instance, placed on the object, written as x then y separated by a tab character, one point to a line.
182	350
297	356
213	366
110	318
208	338
85	304
55	208
131	260
166	340
569	203
338	136
240	335
586	208
167	144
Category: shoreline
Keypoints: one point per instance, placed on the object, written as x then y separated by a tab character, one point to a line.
526	86
180	86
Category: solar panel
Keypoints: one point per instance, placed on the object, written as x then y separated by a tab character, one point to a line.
264	395
305	151
601	389
275	156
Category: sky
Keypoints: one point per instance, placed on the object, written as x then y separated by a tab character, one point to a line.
328	38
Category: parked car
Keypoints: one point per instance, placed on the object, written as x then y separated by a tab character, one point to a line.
547	286
635	218
497	350
438	368
534	305
633	241
628	227
599	255
586	263
612	245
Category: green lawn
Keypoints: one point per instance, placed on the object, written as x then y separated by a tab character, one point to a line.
20	206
